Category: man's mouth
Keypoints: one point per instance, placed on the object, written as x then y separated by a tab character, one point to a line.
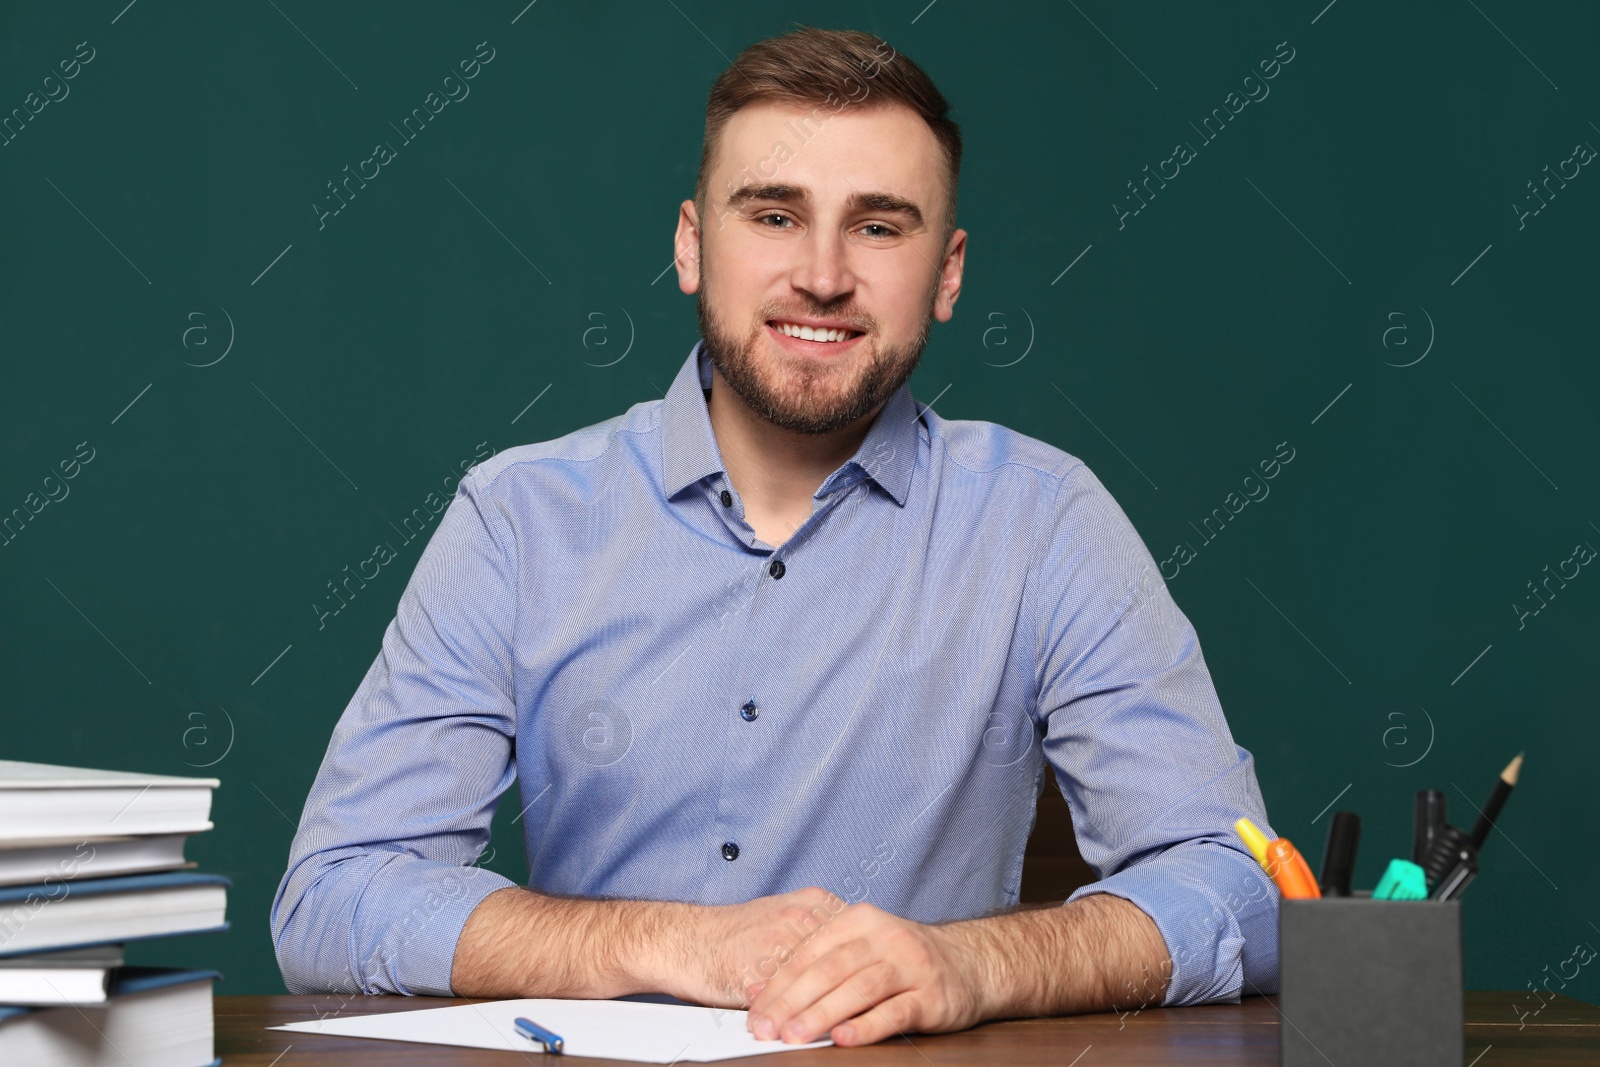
819	334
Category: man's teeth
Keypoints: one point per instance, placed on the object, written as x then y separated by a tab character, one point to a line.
807	333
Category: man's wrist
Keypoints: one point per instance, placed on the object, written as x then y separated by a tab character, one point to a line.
1078	957
521	943
981	950
670	939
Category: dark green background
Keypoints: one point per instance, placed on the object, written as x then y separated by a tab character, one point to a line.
1337	615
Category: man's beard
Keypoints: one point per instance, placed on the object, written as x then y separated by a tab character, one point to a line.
798	401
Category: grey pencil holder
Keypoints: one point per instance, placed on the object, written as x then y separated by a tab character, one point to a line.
1365	981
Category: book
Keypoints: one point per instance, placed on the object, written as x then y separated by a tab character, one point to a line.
31	862
73	976
155	1017
58	915
42	801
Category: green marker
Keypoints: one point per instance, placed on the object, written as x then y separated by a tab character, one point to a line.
1403	880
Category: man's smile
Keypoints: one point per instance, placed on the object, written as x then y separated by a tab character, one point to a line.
813	340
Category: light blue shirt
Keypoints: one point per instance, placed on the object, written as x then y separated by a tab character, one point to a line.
696	715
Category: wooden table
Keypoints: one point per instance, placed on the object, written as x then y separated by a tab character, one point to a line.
1567	1031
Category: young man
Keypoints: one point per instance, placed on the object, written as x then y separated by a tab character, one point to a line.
780	661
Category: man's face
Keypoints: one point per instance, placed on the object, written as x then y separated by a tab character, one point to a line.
816	216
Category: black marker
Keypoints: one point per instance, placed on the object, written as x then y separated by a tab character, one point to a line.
1339	856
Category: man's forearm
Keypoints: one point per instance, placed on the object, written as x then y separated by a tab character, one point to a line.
1098	953
518	943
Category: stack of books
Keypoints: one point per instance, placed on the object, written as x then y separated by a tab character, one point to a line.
90	860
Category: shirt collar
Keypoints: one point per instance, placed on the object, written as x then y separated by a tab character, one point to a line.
887	454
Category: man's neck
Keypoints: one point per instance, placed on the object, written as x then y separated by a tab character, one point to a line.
777	471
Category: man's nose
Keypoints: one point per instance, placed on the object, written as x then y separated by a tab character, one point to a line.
824	266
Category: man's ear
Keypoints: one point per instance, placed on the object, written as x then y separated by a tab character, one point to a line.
955	258
686	248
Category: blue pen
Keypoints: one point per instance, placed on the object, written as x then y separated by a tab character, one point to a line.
534	1032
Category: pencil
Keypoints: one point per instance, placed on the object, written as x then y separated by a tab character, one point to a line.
1497	800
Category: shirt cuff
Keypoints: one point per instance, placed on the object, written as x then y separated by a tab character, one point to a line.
1216	910
408	919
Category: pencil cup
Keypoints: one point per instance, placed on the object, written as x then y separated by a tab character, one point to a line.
1365	981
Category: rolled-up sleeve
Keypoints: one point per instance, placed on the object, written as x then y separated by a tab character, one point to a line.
1143	754
380	879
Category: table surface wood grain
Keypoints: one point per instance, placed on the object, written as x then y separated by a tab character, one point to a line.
1565	1032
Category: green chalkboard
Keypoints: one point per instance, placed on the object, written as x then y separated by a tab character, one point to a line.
223	385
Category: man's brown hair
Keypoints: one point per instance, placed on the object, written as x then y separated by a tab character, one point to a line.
831	70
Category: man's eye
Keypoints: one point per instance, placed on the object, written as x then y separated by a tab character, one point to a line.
887	232
772	215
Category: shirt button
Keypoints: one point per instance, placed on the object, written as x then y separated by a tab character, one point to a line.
730	851
727	499
749	712
776	568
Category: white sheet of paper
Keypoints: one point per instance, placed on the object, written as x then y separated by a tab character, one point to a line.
606	1029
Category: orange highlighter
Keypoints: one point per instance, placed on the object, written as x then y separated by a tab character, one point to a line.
1282	862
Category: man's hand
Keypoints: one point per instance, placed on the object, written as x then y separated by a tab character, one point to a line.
808	964
730	950
862	976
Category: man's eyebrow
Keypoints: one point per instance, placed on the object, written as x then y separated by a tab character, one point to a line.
882	203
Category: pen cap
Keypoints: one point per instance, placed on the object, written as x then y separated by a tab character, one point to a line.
1254	839
1402	880
1290	871
1427	817
1447	849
